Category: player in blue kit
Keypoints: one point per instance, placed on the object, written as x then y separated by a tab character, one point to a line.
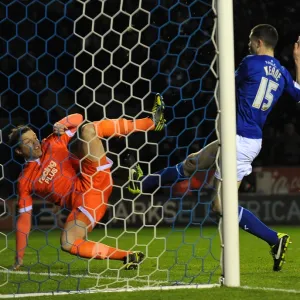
260	81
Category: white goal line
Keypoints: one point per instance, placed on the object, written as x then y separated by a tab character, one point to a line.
116	290
83	276
139	289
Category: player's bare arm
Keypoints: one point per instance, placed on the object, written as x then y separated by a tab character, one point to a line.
296	54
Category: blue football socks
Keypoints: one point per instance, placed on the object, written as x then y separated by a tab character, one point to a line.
162	177
250	223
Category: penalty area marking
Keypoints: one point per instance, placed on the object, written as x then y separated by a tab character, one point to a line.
120	290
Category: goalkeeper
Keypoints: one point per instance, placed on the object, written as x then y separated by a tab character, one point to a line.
260	81
52	173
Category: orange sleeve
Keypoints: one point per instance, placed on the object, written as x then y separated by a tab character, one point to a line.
24	220
25	199
71	122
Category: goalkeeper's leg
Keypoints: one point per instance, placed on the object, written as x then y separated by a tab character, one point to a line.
121	127
73	240
89	202
251	224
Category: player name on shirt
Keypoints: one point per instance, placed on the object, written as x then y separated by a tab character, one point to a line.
48	173
272	71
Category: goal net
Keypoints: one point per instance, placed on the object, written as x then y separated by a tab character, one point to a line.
107	59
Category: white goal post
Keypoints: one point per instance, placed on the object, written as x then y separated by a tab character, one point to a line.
231	259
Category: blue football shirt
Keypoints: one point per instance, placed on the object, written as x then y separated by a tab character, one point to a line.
260	81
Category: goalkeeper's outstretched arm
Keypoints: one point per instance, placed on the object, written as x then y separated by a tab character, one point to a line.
23	224
23	227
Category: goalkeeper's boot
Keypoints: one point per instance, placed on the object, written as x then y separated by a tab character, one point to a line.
132	260
135	175
278	251
158	113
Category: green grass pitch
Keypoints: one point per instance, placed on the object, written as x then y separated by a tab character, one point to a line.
191	256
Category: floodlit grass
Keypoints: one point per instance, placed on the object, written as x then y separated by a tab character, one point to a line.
181	256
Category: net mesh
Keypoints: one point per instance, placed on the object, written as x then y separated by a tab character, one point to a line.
107	59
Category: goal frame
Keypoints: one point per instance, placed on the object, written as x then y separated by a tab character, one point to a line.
229	191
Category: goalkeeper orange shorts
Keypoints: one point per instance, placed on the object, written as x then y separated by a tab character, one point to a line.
92	189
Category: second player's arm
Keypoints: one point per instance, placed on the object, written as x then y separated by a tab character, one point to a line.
293	87
298	72
296	54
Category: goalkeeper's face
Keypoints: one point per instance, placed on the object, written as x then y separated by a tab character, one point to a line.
29	146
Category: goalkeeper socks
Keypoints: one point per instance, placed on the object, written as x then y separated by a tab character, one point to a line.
89	249
250	223
119	127
162	177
